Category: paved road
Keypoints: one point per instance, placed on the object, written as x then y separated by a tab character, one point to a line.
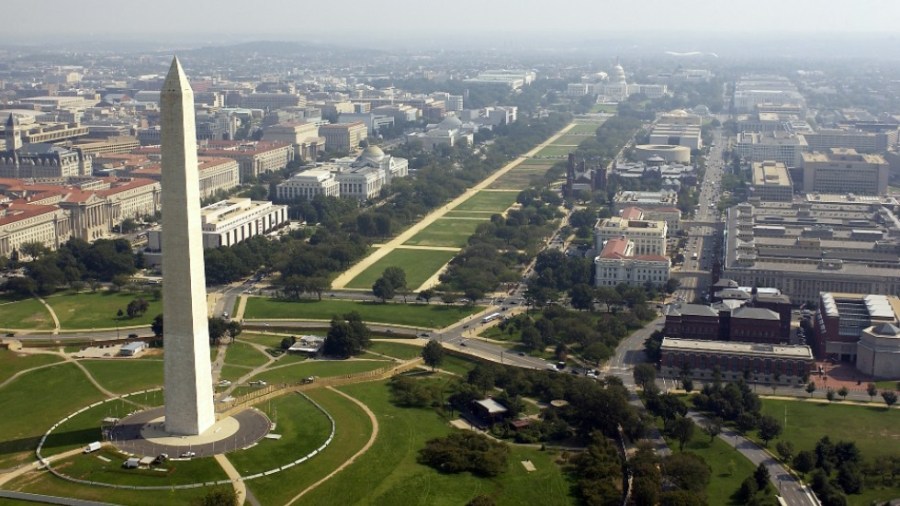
788	487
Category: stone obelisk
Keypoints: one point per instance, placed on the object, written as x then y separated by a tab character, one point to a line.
188	378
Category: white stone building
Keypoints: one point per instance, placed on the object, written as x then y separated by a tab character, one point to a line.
617	263
649	237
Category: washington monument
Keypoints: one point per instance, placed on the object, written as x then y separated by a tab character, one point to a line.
188	377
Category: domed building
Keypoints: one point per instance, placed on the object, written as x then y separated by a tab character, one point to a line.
449	132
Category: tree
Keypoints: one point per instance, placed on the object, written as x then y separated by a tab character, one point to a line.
713	427
769	428
224	496
810	388
217	328
682	429
644	374
687	384
761	476
843	392
890	397
157	325
433	354
687	471
233	329
383	289
785	449
748	489
805	461
426	295
582	296
396	276
829	394
872	390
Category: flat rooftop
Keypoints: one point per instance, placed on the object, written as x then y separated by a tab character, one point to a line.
731	347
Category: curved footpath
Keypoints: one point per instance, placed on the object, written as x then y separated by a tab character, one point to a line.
355	456
354	270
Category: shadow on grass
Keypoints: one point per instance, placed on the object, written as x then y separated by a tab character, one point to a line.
55	441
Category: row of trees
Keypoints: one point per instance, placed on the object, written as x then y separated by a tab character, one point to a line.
76	262
593	338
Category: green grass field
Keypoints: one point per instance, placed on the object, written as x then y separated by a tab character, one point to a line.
875	430
523	176
413	315
25	314
319	368
35	401
389	473
233	372
242	354
46	483
571	139
607	108
555	151
488	201
419	265
303	429
12	362
267	340
728	467
98	310
449	232
396	350
353	431
123	376
585	128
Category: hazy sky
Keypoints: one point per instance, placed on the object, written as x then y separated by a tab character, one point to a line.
33	20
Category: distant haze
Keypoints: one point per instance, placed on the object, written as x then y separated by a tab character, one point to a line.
354	21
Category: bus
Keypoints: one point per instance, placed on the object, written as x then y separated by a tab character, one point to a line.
491	317
694	256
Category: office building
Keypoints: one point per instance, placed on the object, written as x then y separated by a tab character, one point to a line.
343	136
771	181
779	146
731	361
649	237
307	184
842	170
804	248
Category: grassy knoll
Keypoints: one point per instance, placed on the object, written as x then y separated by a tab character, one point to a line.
98	310
353	430
12	362
414	315
35	401
396	350
389	473
24	314
320	368
728	466
303	429
607	108
419	265
123	375
875	430
452	232
243	354
46	483
489	201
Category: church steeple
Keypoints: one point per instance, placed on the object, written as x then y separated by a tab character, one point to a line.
13	139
